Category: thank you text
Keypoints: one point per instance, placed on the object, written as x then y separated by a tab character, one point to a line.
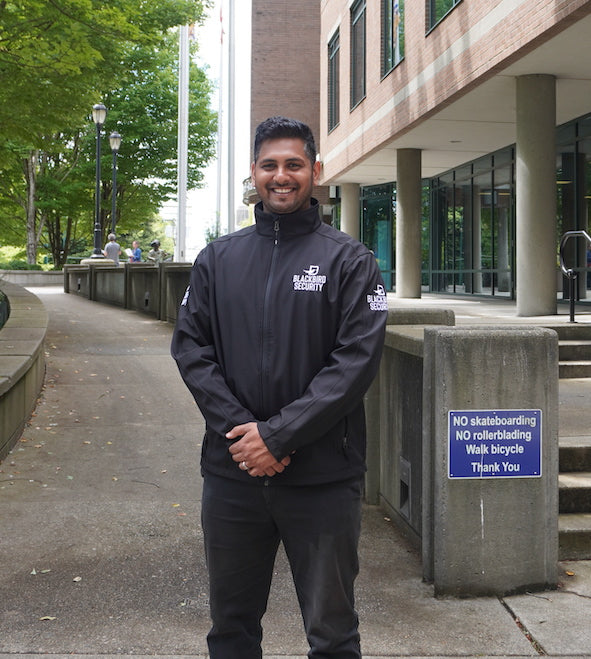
495	444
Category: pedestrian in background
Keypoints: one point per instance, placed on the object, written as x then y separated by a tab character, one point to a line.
278	338
136	252
112	249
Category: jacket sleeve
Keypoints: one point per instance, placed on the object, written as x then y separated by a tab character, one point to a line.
350	368
195	354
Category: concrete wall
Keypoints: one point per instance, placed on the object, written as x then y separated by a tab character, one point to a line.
153	289
22	362
479	534
32	277
483	534
393	410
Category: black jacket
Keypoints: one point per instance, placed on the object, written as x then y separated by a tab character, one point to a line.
283	324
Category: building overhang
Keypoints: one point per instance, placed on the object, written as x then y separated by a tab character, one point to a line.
483	119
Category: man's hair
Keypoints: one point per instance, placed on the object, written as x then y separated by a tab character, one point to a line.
111	236
275	128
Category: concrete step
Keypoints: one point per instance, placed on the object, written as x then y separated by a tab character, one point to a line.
574	369
575	453
572	331
574	350
574	492
574	537
574	480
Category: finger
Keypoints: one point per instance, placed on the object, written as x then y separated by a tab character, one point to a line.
232	434
235	448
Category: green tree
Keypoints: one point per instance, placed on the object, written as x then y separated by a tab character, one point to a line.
143	109
60	56
55	55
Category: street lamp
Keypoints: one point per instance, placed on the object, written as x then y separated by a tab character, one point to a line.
115	141
99	114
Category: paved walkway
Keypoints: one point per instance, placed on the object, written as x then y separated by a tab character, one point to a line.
100	547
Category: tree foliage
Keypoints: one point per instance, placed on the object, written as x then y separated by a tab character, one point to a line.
58	58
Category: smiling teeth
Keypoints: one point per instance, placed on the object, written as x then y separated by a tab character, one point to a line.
282	190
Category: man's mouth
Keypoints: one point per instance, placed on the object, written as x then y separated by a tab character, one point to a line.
282	190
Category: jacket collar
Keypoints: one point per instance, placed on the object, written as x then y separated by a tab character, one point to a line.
290	224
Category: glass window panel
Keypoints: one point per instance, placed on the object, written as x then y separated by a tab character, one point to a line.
437	9
585	150
565	191
503	230
333	81
503	157
585	126
357	53
425	235
463	173
566	134
392	34
378	227
482	232
460	194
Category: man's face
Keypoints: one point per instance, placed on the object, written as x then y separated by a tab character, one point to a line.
284	176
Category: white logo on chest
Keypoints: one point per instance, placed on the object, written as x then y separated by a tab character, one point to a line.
310	280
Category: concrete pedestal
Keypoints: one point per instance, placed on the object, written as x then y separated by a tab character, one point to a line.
485	533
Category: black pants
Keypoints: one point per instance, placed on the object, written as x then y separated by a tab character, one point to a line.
319	527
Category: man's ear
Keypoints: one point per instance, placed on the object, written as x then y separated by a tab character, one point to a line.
316	170
252	168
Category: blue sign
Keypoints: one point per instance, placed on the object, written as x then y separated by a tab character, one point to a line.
495	444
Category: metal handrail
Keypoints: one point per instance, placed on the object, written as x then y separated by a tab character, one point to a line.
571	273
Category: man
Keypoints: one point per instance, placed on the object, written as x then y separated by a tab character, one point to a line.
278	338
112	249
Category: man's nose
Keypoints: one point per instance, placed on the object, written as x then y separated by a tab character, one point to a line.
281	174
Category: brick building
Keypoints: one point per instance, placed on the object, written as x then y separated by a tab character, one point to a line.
456	133
286	67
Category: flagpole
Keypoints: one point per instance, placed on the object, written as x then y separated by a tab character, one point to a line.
220	128
182	147
231	99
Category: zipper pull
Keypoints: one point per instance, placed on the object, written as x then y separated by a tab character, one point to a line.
276	229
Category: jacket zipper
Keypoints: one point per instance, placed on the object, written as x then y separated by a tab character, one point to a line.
265	365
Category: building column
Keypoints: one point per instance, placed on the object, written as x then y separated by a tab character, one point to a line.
350	209
535	183
408	223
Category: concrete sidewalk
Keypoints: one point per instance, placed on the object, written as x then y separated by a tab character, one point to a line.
100	542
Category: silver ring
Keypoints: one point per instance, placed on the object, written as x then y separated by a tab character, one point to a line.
243	466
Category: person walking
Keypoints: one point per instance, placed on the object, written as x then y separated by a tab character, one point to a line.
278	338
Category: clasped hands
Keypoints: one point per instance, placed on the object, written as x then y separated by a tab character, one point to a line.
251	452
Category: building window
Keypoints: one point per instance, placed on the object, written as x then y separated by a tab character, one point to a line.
392	34
357	52
333	81
472	227
377	226
437	9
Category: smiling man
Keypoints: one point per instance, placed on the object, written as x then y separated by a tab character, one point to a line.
284	175
278	337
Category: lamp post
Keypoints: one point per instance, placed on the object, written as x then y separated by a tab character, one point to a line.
99	114
115	141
